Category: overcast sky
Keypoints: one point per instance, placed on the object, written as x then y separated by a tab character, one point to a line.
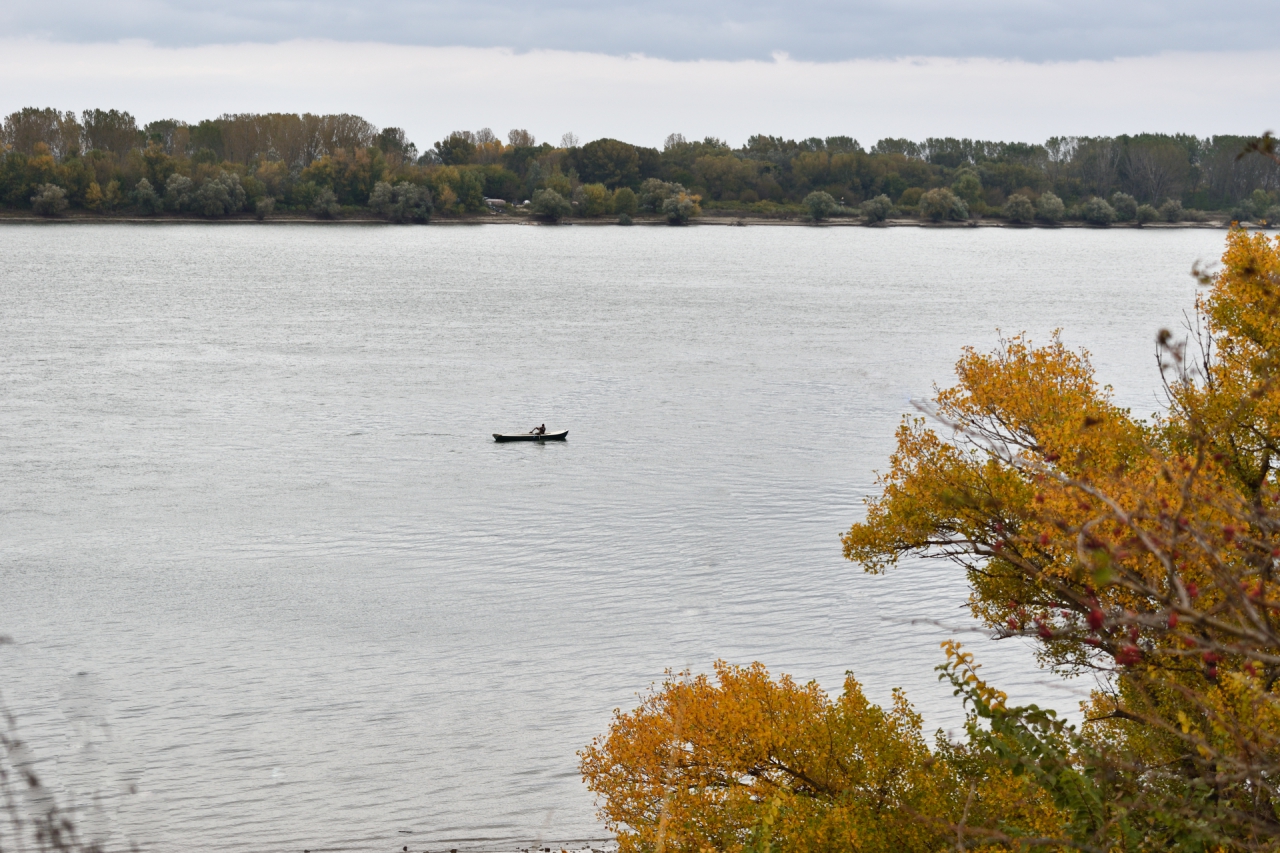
993	69
823	30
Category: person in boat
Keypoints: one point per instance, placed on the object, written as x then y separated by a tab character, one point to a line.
539	430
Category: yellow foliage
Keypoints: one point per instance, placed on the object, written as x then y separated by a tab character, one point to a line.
746	762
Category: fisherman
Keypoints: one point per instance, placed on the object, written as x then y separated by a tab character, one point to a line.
539	430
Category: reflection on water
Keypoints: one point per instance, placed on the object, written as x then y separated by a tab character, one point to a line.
266	567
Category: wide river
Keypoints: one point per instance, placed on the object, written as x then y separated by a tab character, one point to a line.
272	585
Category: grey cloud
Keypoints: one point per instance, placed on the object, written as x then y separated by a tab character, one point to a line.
820	30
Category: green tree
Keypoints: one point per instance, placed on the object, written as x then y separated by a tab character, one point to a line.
1145	213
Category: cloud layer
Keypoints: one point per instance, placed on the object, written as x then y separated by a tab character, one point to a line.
821	30
430	91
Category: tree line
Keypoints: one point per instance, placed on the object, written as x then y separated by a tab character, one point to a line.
337	165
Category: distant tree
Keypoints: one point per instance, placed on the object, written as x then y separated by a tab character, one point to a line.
264	207
1125	206
49	200
680	208
1050	208
109	130
93	196
325	205
1272	216
819	206
146	199
1145	213
177	192
1018	208
403	202
550	206
521	139
609	162
968	186
569	140
1095	211
595	200
654	192
392	140
456	149
1171	211
624	201
876	209
942	204
624	219
219	196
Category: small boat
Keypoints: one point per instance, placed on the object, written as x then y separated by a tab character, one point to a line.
530	436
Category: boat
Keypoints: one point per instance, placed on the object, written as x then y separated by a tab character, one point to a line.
530	436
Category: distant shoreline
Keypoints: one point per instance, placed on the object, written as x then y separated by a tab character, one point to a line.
77	218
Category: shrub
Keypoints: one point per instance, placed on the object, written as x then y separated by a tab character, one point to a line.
550	205
1273	215
1019	209
1171	211
624	219
403	202
49	200
264	207
1050	208
942	204
325	205
177	193
146	199
820	205
1125	205
220	196
1146	213
876	209
1095	211
678	209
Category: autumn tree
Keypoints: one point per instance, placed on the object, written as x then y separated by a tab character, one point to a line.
1142	551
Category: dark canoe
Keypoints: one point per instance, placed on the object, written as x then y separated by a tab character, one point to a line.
528	436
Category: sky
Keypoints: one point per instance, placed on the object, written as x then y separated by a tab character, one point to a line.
995	69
